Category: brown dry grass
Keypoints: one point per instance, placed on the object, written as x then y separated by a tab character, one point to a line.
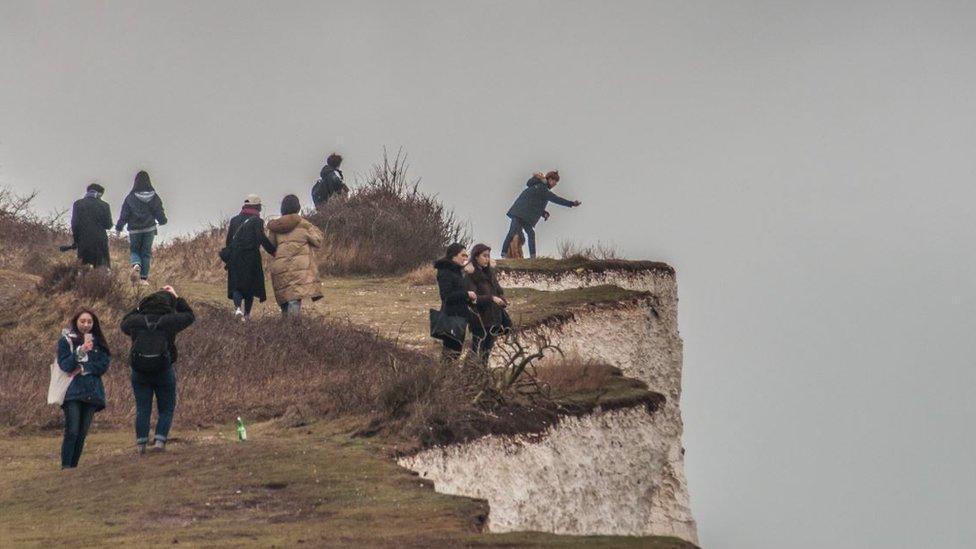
424	275
385	226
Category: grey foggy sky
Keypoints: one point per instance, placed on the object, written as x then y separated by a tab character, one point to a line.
807	167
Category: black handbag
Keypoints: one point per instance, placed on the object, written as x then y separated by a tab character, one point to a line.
444	327
225	252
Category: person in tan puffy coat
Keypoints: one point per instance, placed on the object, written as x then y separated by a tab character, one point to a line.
294	274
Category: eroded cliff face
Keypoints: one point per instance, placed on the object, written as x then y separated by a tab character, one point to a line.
618	472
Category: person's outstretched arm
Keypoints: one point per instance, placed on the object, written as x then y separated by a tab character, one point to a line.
556	199
263	239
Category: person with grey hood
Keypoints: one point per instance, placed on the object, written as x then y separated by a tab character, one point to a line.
141	211
91	217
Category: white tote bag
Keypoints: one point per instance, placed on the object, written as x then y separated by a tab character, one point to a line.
60	380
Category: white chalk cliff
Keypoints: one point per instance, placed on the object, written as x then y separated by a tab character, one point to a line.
609	472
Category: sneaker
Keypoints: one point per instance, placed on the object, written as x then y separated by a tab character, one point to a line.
143	282
239	314
135	273
160	446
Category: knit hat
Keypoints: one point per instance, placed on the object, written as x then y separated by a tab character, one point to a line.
252	200
96	187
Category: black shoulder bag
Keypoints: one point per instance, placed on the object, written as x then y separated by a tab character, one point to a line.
225	251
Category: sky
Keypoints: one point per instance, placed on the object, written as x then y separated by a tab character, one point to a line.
807	167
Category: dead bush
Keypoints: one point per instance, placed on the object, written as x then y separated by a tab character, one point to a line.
86	282
572	374
425	275
386	225
592	252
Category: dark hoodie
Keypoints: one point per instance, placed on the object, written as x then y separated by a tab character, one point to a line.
142	208
452	287
173	314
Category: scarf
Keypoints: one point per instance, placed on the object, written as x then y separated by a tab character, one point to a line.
251	211
93	194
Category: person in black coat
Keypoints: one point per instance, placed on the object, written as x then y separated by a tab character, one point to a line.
454	292
530	206
245	273
169	314
491	319
142	209
91	218
330	182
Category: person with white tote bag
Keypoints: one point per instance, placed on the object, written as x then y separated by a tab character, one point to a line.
76	381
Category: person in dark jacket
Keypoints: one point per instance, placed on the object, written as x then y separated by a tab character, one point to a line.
91	217
170	314
530	206
491	319
455	296
245	273
83	353
142	209
330	182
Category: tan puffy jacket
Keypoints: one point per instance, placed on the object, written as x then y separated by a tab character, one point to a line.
294	273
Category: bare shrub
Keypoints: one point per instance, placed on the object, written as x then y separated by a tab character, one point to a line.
23	231
193	258
424	275
84	281
571	374
599	251
386	225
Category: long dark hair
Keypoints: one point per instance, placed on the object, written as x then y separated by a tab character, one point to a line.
97	336
142	183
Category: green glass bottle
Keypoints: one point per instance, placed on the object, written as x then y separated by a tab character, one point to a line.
241	430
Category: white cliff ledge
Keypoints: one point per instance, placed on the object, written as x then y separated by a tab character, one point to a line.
610	472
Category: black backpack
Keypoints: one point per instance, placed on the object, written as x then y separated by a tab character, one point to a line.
150	350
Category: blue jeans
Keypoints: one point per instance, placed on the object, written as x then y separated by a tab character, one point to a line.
140	251
163	386
77	419
518	226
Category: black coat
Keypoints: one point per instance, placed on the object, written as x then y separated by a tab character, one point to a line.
453	288
530	205
90	218
170	323
141	211
329	184
484	283
245	273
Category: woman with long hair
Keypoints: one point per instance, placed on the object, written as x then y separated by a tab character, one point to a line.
491	319
83	353
142	210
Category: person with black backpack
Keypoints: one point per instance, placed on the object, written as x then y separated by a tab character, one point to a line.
245	273
330	182
153	326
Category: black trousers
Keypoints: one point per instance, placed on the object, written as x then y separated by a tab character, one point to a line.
77	419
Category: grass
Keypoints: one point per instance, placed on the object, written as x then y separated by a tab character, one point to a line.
552	265
398	310
283	487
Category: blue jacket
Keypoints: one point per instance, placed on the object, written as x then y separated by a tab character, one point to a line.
88	387
530	205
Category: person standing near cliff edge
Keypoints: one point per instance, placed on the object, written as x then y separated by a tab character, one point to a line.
530	206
